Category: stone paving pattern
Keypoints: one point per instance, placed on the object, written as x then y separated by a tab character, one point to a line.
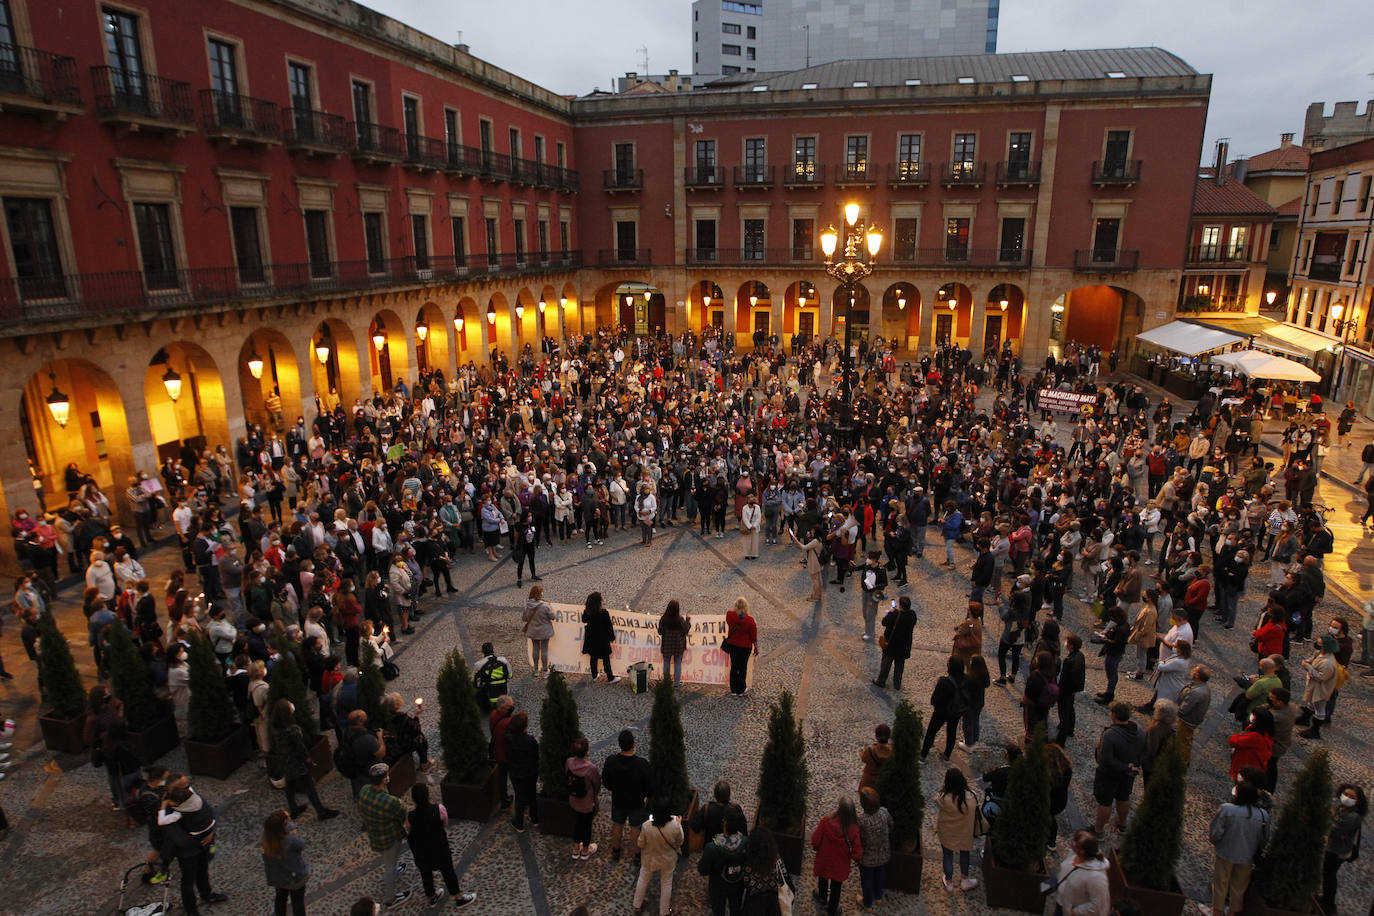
66	849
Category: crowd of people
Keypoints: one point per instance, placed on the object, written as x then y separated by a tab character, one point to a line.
344	525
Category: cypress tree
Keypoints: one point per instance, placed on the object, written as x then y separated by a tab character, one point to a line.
286	682
210	713
668	748
131	683
1152	845
57	670
1290	872
461	736
371	689
1021	833
558	729
899	781
782	770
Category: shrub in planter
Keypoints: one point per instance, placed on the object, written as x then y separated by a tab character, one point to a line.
461	736
899	785
210	713
1154	842
371	689
62	689
1021	833
286	682
130	681
558	729
1290	872
668	748
782	770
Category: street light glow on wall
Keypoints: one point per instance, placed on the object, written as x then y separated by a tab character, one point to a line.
542	306
491	314
952	303
563	301
519	310
1003	305
379	339
58	403
1270	296
458	323
421	331
322	351
901	300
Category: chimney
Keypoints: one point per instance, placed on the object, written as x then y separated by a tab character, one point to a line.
1285	141
1223	147
462	48
1240	169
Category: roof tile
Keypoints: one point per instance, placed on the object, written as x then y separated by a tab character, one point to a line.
1231	198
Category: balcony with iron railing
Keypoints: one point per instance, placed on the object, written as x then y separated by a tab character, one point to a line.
238	119
757	176
309	132
624	257
750	256
908	174
38	82
959	256
804	175
622	179
116	294
493	166
375	144
963	174
1209	257
134	101
1199	302
1325	268
1116	172
424	154
1018	173
703	177
855	175
1106	259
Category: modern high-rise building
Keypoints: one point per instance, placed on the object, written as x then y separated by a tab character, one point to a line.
731	37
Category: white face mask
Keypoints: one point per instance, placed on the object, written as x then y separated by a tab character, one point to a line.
1333	631
1347	801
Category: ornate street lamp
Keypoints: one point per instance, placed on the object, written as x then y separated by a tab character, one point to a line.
254	364
848	271
58	403
421	331
171	380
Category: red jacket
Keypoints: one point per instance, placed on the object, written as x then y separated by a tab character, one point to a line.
1195	599
835	851
1269	639
499	721
1249	749
740	632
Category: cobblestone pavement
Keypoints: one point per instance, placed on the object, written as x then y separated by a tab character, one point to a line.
65	850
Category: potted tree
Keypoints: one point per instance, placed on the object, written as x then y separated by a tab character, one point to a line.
1144	868
371	700
1290	873
65	722
558	729
216	743
668	752
783	782
469	788
1014	861
152	728
285	682
899	788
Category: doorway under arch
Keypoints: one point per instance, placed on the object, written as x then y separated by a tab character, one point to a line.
901	321
951	316
335	365
184	397
71	412
269	380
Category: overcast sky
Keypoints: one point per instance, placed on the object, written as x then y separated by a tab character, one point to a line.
1269	58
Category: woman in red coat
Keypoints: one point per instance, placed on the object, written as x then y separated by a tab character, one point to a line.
836	841
741	640
1253	747
1269	636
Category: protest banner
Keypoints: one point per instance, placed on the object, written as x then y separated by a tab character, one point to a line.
637	640
1065	401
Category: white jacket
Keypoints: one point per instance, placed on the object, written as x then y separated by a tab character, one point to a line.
751	516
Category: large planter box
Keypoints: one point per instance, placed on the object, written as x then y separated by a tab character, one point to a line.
555	817
904	871
791	845
66	736
1151	902
321	758
221	758
401	776
1013	889
1255	905
472	802
151	743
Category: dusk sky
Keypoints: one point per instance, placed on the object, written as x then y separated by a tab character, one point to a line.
1269	59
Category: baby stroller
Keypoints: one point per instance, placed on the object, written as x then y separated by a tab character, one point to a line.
140	909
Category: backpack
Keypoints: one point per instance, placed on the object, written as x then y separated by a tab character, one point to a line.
1322	541
1367	456
577	784
344	760
1049	696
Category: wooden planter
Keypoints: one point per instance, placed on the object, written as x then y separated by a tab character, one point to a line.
904	870
472	801
221	758
1011	888
65	736
1255	905
555	816
791	846
401	776
151	743
321	758
1151	902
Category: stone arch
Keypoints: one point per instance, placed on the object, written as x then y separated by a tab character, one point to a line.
435	351
547	314
496	319
93	431
851	307
1005	318
1096	314
388	363
706	301
570	310
338	376
272	397
184	396
951	325
753	311
801	309
901	321
467	331
525	321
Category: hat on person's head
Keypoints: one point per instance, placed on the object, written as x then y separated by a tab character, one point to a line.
378	769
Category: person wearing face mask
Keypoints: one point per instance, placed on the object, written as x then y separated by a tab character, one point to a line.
283	859
1343	842
290	762
1239	831
1253	746
772	512
1322	673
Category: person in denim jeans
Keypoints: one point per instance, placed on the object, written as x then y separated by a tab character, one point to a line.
522	762
673	628
875	836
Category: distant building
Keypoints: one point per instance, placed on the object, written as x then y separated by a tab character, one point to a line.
730	37
1279	176
671	81
1345	124
1228	245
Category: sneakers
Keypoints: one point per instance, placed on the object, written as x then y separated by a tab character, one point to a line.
588	852
437	896
462	900
950	886
518	828
400	898
400	867
589	545
614	680
214	898
161	877
968	884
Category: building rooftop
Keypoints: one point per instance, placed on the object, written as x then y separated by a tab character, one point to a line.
1033	66
1292	208
1230	198
1288	158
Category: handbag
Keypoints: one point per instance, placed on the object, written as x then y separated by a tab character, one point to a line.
785	896
882	641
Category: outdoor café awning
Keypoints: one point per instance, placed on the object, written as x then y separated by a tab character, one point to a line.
1257	364
1188	338
1307	341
